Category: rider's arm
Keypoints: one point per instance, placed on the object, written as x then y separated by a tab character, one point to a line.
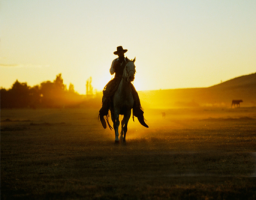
112	69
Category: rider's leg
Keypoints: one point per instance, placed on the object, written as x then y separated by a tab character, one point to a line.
137	110
106	99
105	105
136	98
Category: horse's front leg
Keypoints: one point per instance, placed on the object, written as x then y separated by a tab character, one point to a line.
125	123
116	125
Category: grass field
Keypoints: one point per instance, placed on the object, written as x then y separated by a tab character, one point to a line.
188	154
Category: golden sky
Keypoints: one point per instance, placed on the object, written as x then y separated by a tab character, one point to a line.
176	43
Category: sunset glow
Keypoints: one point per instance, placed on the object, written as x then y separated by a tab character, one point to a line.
177	44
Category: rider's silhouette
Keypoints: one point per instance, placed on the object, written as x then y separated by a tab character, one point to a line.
117	67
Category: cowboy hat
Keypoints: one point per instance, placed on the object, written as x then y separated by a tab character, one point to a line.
120	50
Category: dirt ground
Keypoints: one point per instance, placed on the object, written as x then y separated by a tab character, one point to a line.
203	153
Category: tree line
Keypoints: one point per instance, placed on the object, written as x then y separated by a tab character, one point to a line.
48	94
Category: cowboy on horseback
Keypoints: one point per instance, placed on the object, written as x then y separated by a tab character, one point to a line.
117	67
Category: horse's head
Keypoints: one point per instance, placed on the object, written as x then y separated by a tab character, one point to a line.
129	70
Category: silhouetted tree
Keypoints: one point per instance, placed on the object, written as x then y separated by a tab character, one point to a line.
47	94
89	88
35	96
19	95
4	97
58	82
71	88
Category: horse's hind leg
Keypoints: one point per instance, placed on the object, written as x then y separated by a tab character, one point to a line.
125	123
122	130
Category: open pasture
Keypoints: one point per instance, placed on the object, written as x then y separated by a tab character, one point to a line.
185	154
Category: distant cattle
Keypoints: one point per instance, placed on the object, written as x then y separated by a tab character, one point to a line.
163	114
236	103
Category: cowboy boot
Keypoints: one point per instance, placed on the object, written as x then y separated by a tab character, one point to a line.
103	122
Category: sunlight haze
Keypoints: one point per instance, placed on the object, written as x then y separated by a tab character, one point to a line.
177	44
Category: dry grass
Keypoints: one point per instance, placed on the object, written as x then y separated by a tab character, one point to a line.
188	154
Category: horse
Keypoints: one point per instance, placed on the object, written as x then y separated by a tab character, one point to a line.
236	103
123	101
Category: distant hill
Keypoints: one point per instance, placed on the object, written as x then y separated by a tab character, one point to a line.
241	81
243	87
